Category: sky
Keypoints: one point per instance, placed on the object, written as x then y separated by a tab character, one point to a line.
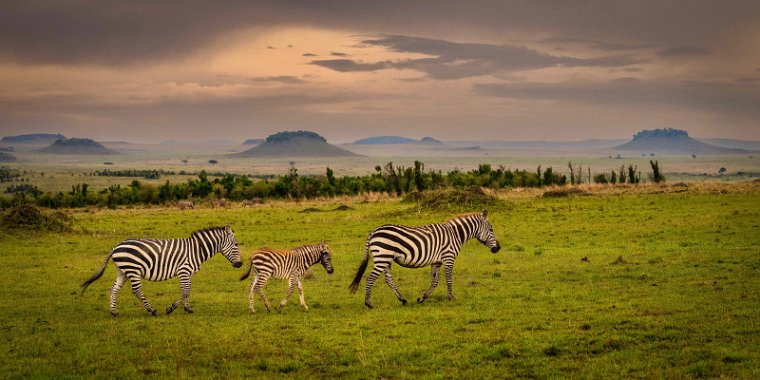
151	71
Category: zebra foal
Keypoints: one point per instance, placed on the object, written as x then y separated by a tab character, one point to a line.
158	260
287	265
433	245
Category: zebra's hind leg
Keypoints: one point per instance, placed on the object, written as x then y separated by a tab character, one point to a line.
300	295
389	281
137	291
120	279
184	285
434	269
257	286
291	286
377	269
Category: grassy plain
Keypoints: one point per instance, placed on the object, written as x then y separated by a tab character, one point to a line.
671	289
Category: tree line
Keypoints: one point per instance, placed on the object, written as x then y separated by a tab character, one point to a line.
391	179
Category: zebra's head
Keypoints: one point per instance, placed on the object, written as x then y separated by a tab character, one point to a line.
325	258
484	233
229	247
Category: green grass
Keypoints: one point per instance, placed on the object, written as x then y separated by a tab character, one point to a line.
670	290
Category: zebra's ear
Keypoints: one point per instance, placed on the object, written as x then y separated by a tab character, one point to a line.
485	213
228	229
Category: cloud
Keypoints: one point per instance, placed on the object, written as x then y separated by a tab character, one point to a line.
683	51
456	60
286	79
339	54
348	65
309	55
721	98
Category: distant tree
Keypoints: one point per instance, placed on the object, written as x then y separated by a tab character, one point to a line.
572	173
213	162
632	177
621	177
601	178
613	177
656	175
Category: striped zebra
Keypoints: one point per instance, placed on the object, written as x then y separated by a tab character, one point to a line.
432	245
158	260
287	265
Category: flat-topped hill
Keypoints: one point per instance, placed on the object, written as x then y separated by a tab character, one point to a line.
76	146
295	144
38	138
672	141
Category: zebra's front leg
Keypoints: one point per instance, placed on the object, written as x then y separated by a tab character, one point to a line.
300	295
389	281
184	286
291	286
120	279
137	291
449	268
434	268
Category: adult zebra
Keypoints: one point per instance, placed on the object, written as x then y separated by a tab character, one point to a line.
158	260
416	247
287	265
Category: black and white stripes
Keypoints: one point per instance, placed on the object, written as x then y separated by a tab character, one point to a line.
287	265
158	260
432	245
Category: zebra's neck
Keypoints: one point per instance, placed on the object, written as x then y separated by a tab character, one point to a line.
206	247
464	227
310	253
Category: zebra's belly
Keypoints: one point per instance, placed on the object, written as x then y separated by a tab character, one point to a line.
410	261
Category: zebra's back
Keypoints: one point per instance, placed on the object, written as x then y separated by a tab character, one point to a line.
410	246
152	259
278	263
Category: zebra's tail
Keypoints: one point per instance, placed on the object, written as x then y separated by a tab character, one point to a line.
97	274
360	272
248	271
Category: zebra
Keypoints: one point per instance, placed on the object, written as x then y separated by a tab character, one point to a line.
158	260
432	245
287	265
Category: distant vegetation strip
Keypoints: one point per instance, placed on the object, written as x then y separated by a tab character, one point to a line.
390	179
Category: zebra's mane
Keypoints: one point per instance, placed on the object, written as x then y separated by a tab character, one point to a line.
207	229
462	216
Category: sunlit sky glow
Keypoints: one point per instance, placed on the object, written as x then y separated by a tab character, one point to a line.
148	71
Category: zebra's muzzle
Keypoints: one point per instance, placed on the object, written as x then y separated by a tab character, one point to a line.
330	271
496	248
237	264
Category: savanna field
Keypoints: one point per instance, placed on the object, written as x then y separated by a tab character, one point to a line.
612	282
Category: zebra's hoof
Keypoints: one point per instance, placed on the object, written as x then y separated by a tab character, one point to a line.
114	314
169	310
403	302
420	300
155	313
369	305
188	310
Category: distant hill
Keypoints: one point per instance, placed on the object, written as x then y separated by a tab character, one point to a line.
431	141
378	140
39	138
76	146
253	141
295	144
385	140
672	141
7	157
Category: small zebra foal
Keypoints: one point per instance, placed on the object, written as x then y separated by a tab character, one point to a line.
287	265
159	260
